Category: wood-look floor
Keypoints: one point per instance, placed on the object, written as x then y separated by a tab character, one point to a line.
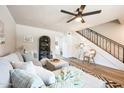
109	73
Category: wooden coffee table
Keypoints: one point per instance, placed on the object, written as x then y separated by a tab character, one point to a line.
54	65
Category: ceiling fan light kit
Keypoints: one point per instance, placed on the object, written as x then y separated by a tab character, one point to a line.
78	16
78	19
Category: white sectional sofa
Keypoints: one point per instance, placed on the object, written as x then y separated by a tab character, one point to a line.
5	67
73	77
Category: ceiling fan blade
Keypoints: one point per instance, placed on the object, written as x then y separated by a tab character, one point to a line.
72	19
67	12
92	13
81	8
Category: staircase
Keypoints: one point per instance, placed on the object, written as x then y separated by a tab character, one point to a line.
108	45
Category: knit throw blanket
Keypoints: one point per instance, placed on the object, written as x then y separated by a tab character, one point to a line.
68	78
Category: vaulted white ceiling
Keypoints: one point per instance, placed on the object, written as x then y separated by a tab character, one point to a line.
50	17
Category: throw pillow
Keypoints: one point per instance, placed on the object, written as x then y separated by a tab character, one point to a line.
27	66
16	64
23	79
28	57
44	61
36	62
47	76
19	56
11	57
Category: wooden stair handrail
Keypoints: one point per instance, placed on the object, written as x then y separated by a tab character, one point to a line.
118	49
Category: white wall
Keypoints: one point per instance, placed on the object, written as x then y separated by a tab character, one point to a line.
111	30
71	45
10	31
23	30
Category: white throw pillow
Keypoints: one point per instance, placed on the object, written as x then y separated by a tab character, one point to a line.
16	64
47	76
36	62
44	61
19	56
27	66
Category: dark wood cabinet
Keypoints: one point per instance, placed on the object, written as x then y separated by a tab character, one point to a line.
44	47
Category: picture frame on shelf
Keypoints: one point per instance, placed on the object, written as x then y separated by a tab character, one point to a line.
28	39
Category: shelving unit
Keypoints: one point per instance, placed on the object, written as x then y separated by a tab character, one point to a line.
44	47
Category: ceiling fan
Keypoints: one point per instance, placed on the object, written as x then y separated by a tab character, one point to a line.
78	16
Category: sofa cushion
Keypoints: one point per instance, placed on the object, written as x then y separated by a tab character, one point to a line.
23	79
5	67
11	57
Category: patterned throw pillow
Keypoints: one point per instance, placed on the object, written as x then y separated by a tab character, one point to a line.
23	79
28	57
